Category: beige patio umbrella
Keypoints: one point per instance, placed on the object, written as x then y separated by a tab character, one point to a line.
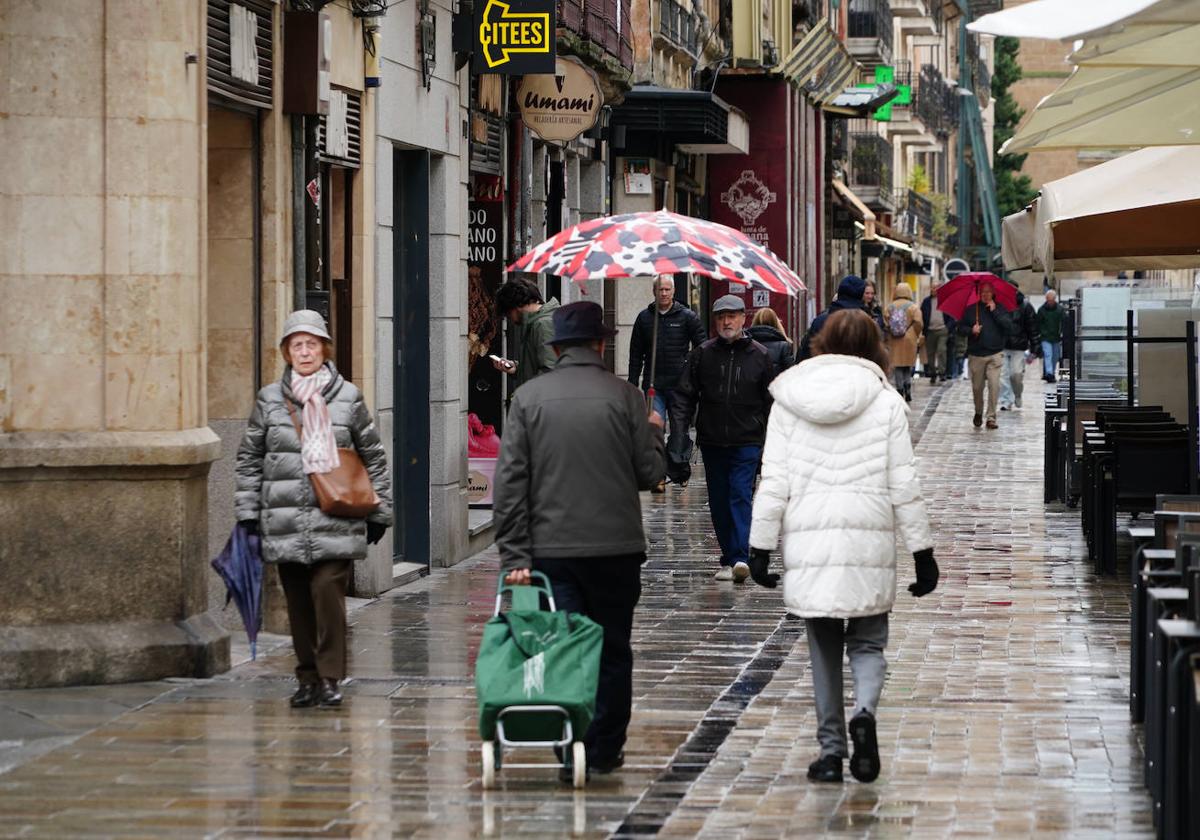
1016	239
1140	211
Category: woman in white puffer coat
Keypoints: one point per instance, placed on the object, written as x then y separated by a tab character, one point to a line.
838	484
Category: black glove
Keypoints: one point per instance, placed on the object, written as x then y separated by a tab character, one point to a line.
927	573
375	532
759	560
250	525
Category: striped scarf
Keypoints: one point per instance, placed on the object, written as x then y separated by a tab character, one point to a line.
318	446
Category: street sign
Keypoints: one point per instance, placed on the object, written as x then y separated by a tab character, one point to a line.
953	268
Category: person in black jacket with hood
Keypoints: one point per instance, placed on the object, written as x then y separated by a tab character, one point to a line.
849	296
939	338
767	330
987	326
1023	339
679	330
725	383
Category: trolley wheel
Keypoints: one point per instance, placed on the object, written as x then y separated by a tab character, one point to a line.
488	753
579	765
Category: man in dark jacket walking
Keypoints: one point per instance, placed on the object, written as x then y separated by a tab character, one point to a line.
1049	327
726	379
939	338
1020	341
577	449
849	296
987	326
679	330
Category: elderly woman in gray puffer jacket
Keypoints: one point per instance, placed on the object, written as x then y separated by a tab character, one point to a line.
313	551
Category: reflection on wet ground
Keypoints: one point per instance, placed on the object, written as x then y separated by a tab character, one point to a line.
1004	713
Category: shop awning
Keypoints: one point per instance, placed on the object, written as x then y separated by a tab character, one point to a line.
820	65
1135	212
857	208
695	121
861	100
1113	108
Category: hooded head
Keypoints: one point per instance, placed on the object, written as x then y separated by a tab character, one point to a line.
902	290
852	287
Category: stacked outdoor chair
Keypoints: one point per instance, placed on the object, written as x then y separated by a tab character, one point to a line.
1131	455
1164	650
1061	464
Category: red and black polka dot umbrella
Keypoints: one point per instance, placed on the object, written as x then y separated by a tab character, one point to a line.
648	244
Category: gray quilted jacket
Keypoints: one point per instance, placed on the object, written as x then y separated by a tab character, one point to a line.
273	489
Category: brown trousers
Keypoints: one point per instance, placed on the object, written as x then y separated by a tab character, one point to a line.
316	605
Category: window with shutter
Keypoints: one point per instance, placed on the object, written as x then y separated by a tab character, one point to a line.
240	52
339	135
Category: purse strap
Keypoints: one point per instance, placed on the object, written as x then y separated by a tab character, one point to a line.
295	422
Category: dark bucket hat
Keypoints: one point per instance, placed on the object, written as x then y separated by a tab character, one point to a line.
581	321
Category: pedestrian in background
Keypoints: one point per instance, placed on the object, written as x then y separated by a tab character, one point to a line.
839	509
530	321
577	448
725	385
679	331
987	326
1022	340
849	296
767	330
296	429
1049	327
939	338
903	327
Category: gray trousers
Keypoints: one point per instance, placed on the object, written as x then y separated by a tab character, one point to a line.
863	640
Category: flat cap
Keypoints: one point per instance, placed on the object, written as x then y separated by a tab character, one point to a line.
729	303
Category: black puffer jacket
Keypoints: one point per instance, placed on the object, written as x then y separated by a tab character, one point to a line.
679	330
727	382
1024	318
783	356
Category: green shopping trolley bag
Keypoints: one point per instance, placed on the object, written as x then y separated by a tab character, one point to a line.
535	678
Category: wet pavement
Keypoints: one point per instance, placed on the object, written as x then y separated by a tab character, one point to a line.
1004	713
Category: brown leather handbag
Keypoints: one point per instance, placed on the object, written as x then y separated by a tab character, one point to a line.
346	490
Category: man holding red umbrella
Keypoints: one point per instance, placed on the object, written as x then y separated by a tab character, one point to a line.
987	326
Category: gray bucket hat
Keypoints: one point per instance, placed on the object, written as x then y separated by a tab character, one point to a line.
305	321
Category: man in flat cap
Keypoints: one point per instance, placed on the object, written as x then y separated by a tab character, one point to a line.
724	384
578	445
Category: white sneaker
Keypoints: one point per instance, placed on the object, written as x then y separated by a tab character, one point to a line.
725	573
741	571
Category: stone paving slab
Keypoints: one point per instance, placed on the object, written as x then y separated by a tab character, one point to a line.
1004	714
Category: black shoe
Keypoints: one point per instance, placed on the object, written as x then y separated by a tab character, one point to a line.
328	695
864	764
827	768
605	766
977	420
305	696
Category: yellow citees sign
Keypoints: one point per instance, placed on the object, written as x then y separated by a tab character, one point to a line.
515	37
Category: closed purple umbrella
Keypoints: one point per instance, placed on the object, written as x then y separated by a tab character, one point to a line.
240	566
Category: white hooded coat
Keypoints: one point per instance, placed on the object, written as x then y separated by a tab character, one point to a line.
838	482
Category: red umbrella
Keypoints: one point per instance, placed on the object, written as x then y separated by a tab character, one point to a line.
648	244
955	297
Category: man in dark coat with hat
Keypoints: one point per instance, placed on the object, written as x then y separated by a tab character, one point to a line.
578	446
849	296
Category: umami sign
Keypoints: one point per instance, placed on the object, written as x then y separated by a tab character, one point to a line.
515	36
563	105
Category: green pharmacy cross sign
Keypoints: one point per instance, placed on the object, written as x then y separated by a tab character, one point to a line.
885	75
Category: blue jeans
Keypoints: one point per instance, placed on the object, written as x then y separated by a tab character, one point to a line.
1051	356
679	444
729	471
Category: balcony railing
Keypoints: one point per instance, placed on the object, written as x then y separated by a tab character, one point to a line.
869	30
929	97
871	167
677	25
596	21
915	213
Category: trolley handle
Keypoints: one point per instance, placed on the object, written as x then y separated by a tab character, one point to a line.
528	593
